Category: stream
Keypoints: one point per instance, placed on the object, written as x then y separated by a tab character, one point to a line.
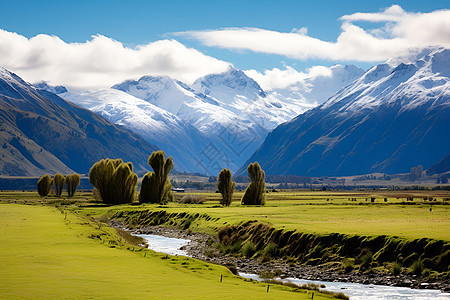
355	291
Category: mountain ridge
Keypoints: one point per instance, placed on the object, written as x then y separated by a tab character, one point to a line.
368	126
42	133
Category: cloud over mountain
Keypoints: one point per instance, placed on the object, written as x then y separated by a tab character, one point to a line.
101	61
399	31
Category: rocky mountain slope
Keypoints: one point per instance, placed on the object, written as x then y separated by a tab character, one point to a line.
392	118
42	133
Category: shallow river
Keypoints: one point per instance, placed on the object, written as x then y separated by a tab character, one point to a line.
354	290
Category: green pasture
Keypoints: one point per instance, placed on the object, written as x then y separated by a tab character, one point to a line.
54	253
311	212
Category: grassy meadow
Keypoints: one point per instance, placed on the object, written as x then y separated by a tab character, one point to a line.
50	252
59	248
325	212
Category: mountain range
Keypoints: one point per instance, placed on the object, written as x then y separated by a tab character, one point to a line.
388	119
42	133
394	117
216	122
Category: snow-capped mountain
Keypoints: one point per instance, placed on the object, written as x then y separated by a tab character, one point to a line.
154	124
394	117
217	122
317	89
229	108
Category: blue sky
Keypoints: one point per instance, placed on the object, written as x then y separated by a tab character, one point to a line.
135	23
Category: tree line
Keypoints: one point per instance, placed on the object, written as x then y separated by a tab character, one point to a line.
115	182
45	184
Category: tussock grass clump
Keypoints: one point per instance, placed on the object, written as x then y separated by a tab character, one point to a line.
271	250
396	268
192	199
348	265
417	267
248	250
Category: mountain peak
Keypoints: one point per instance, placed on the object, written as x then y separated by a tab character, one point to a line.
231	83
43	85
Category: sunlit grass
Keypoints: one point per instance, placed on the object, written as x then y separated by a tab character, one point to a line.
48	253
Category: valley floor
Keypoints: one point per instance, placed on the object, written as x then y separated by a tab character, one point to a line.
48	252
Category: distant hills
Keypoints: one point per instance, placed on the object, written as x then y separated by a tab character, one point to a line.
41	133
442	166
394	117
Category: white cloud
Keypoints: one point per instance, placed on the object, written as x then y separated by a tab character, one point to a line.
390	14
101	61
399	31
277	78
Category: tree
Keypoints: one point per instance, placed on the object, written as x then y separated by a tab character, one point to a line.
114	180
225	186
58	180
72	182
254	194
155	186
44	185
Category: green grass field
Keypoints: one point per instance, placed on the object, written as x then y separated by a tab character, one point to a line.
312	213
56	248
49	253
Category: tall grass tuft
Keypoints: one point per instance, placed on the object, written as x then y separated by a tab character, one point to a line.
248	250
417	267
396	268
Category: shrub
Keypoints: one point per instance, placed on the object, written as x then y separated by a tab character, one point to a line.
254	194
396	268
248	250
192	199
348	265
271	250
58	180
417	267
72	182
156	186
44	185
225	186
114	180
235	247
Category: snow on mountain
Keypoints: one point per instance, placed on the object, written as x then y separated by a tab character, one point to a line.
411	82
161	91
316	89
215	123
154	124
394	117
229	108
43	85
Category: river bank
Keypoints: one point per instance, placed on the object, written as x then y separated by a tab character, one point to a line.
200	248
